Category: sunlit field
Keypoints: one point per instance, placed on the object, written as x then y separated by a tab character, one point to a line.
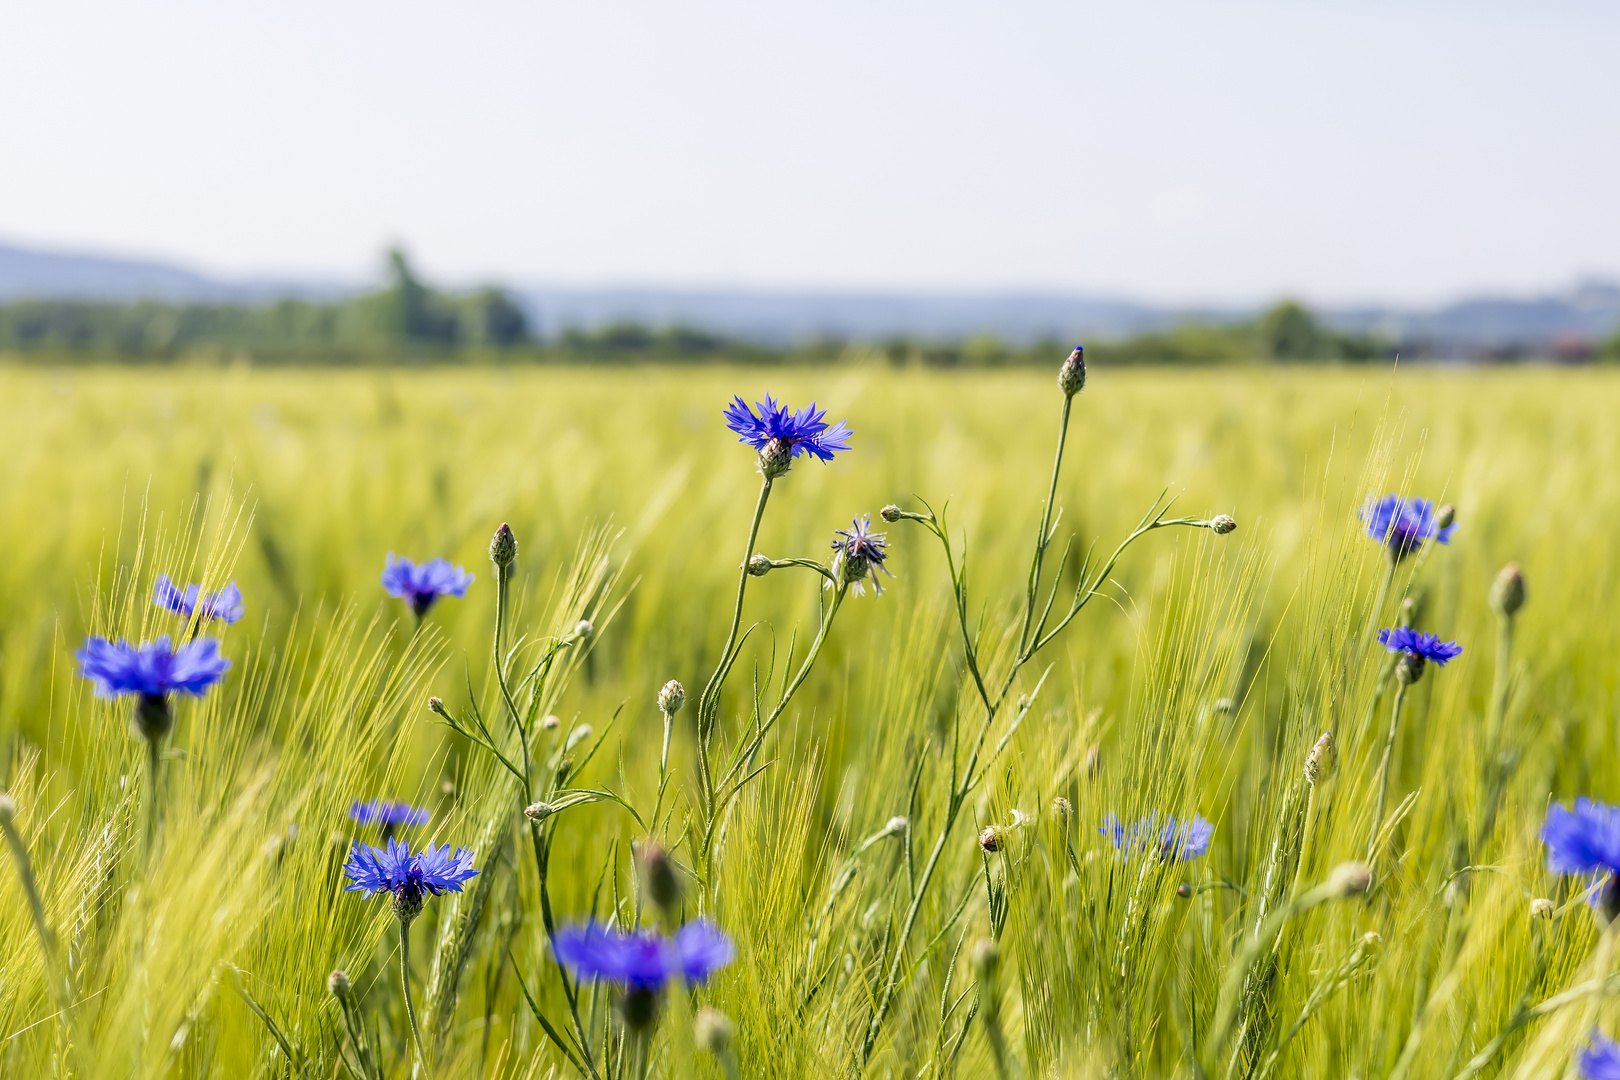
898	809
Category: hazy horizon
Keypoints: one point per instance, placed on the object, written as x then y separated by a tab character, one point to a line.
1345	153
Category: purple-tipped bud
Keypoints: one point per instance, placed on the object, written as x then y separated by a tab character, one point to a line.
337	984
759	565
1221	524
990	839
503	547
890	513
1072	375
671	698
1507	591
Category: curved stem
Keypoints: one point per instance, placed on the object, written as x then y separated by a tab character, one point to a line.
1383	767
1043	537
410	1007
708	704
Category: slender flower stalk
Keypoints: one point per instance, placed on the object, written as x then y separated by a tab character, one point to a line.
1415	651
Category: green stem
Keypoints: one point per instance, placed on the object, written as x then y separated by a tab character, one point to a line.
1043	538
1378	604
1305	840
154	772
709	703
1383	767
410	1007
1499	693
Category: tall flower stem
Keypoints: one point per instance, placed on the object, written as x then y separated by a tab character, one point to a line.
1499	691
1044	537
709	702
154	774
410	1006
1383	766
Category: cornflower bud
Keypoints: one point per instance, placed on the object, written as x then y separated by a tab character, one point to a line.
1320	761
671	698
713	1031
1350	879
550	722
896	826
1507	591
538	812
1184	891
436	705
1072	375
775	458
758	565
1221	524
337	984
503	547
1541	908
890	513
583	629
1444	516
990	839
658	871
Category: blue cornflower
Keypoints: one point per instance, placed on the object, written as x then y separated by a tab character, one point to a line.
780	434
410	878
388	814
424	584
1170	839
1403	524
643	960
1586	841
151	672
859	553
1601	1059
225	605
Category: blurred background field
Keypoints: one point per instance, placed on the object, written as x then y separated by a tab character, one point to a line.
297	483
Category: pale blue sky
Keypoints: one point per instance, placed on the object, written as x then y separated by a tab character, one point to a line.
1170	150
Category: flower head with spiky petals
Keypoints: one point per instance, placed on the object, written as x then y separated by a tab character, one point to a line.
1600	1060
409	877
1402	639
421	586
1585	840
1170	839
644	959
858	553
225	605
1402	525
790	433
152	669
388	814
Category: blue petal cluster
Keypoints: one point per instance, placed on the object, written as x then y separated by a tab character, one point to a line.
225	605
1585	840
1170	839
152	669
1428	646
1600	1060
643	959
1403	524
804	432
422	585
862	551
394	869
383	812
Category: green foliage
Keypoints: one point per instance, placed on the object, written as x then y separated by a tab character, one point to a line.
1197	687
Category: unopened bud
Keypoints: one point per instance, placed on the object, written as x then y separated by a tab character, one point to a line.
1225	706
658	874
503	547
538	812
1444	516
1061	809
896	826
1372	939
1320	761
1350	879
577	736
713	1031
1221	524
337	984
583	629
775	458
671	698
986	959
1507	591
436	705
1017	819
990	839
1184	891
1072	375
890	513
1541	908
758	565
550	722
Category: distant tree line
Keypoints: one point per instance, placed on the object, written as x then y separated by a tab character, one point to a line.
405	317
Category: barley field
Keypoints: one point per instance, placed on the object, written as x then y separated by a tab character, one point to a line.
934	832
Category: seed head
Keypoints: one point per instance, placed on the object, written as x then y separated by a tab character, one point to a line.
897	826
758	565
337	984
671	698
1061	809
890	513
775	458
658	872
1320	761
503	547
713	1031
1507	591
990	839
1221	524
1541	908
1350	879
1072	375
538	812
